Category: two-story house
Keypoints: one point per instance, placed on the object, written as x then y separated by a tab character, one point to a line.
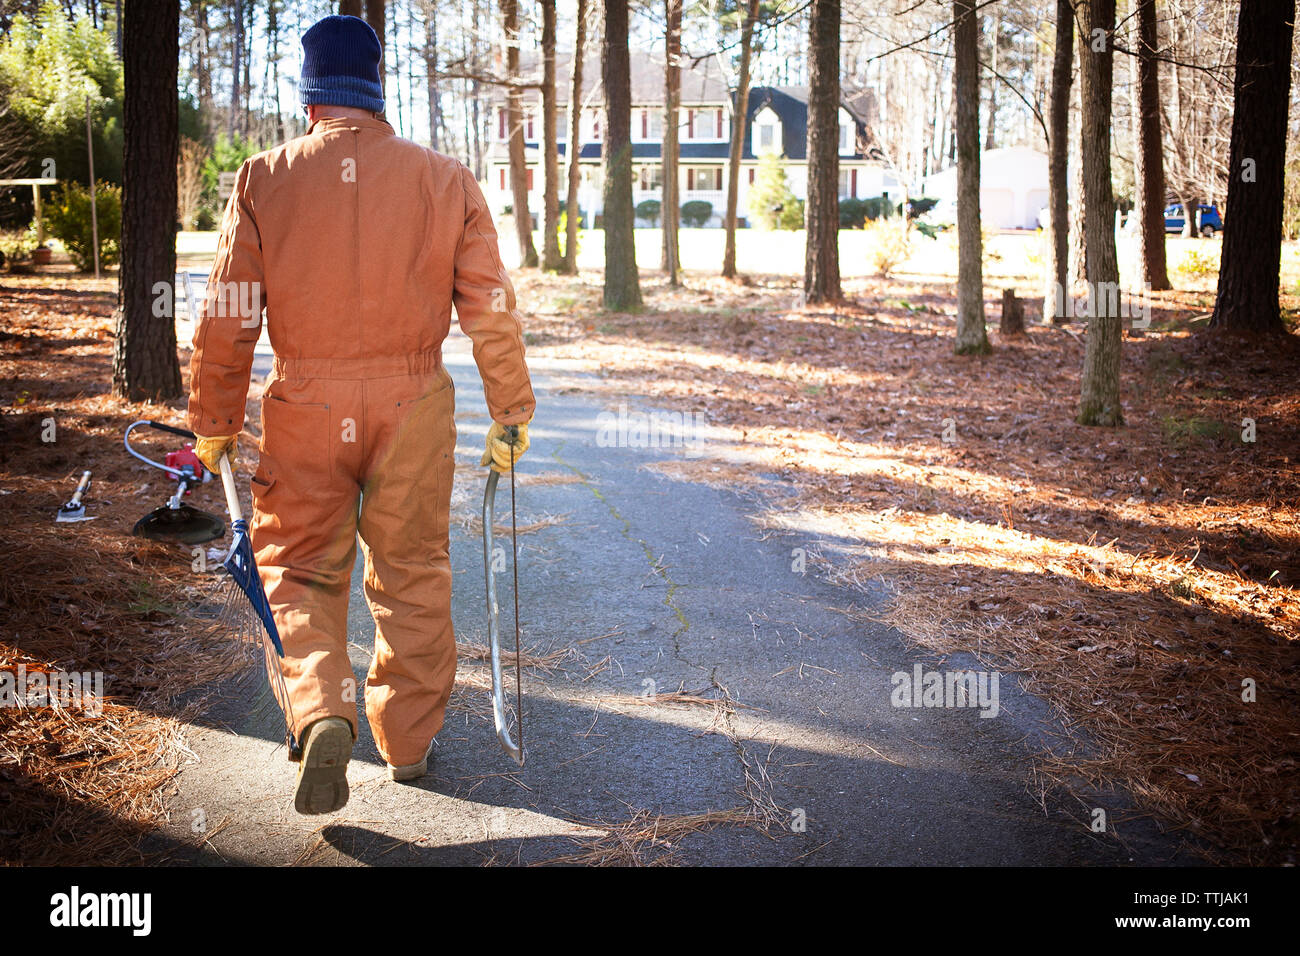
777	122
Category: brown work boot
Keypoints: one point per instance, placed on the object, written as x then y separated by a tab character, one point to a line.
411	771
323	771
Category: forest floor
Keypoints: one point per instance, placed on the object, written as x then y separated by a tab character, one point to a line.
1142	581
78	786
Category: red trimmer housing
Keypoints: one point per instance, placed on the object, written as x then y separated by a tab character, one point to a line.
186	462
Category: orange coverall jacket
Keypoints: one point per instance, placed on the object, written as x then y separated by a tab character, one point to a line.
357	243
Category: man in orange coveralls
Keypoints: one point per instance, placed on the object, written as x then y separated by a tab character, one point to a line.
357	243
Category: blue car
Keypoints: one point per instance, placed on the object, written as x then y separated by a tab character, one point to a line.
1211	222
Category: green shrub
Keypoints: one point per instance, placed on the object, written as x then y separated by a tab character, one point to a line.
696	212
1198	265
853	213
16	247
791	215
770	197
68	220
878	207
887	246
649	210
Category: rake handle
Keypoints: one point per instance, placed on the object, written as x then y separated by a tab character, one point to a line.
232	493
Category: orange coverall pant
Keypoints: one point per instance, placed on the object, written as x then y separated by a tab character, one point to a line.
357	243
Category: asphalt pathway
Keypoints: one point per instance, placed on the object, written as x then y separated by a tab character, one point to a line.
634	583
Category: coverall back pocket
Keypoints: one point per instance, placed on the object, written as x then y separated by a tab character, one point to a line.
297	444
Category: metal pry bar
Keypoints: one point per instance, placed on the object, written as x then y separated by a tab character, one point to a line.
494	633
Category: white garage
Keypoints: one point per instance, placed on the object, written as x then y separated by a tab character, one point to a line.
1013	187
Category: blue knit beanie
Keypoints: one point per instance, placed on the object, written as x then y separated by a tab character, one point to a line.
340	65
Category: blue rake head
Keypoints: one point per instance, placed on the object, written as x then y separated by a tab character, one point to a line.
242	568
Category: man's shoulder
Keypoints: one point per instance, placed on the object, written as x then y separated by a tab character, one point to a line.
269	159
440	163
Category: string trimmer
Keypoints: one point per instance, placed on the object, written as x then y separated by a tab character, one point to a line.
176	521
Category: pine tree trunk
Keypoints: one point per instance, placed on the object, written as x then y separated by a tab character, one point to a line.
1058	171
237	52
1149	176
671	206
990	135
822	212
145	365
203	64
622	286
273	35
1099	402
515	122
739	115
431	69
972	337
551	259
350	8
246	121
1252	233
1078	214
574	149
375	17
397	76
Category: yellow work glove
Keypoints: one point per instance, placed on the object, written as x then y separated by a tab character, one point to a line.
499	447
210	450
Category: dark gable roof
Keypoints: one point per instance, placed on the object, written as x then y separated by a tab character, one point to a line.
790	103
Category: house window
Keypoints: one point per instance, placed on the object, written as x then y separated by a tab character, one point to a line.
703	178
705	124
844	183
846	138
655	126
766	137
650	178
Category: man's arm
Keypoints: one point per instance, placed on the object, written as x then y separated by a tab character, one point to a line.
229	321
485	304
